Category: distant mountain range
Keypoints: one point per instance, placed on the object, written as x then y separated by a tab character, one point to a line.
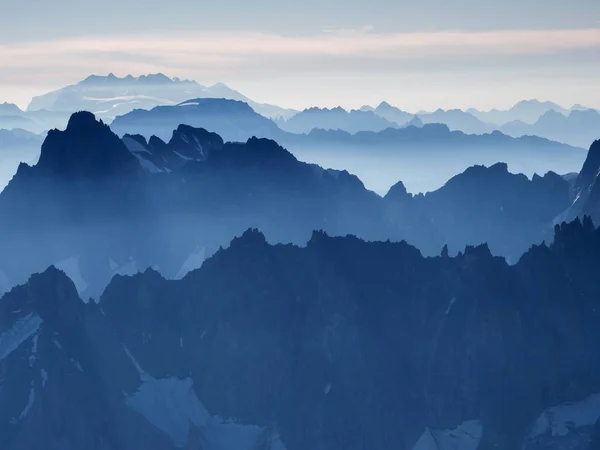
12	117
334	119
527	111
423	157
110	96
578	127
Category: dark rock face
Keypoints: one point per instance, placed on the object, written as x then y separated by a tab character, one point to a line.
186	144
341	344
491	205
86	149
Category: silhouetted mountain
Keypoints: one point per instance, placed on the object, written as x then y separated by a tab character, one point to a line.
96	205
393	114
578	128
110	96
86	149
482	205
232	120
456	119
334	119
341	344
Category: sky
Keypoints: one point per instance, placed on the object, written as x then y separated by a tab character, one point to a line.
419	54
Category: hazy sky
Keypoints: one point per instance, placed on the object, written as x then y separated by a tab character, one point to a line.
415	54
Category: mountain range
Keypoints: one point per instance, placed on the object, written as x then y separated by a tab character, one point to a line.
341	344
334	119
110	96
12	117
196	285
96	205
422	157
527	111
579	127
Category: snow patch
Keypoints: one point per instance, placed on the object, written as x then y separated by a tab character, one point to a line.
33	357
44	376
171	405
134	146
560	420
22	330
57	344
71	267
185	158
464	437
450	305
199	145
76	363
144	376
29	404
137	149
327	388
147	165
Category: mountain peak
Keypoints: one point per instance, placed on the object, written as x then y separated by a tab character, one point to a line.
64	305
252	237
86	148
397	192
83	119
156	78
9	109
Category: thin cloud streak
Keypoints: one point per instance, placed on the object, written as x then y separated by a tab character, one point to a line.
228	49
